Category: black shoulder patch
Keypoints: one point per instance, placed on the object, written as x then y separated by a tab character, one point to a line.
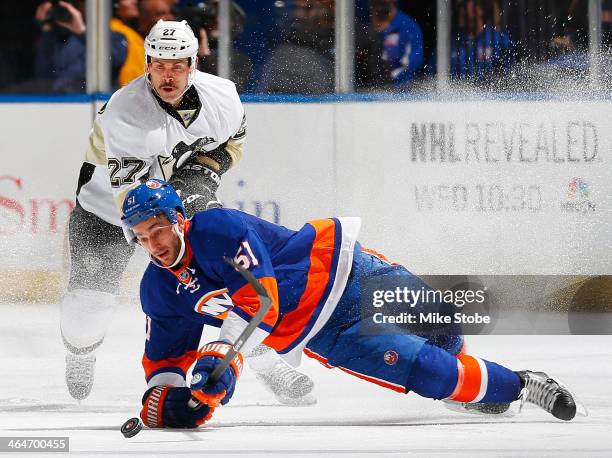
85	175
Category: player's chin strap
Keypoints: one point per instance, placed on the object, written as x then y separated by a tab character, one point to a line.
181	253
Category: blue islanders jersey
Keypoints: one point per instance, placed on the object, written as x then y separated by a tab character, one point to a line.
304	272
476	57
403	48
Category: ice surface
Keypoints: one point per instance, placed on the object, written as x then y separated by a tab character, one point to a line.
352	417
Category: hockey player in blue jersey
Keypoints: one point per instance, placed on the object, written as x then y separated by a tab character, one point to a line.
402	40
314	277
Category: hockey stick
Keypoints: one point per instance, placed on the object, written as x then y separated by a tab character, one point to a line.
266	303
133	426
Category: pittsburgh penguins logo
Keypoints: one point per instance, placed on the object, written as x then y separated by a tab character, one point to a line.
182	151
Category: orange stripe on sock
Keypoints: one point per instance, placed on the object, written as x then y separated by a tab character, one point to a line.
469	380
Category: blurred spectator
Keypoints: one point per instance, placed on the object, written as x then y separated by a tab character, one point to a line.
402	40
60	56
125	16
570	59
572	31
478	49
571	26
203	20
304	61
59	64
151	11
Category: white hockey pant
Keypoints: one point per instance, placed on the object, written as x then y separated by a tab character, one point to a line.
85	317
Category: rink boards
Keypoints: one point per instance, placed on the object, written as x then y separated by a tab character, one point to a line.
445	187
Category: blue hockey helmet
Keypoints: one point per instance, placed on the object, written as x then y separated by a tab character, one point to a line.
151	198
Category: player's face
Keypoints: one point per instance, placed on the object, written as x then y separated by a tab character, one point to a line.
169	77
157	236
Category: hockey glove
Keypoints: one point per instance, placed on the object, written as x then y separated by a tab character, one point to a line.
197	185
209	356
166	406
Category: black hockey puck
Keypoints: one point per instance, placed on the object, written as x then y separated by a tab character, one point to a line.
131	427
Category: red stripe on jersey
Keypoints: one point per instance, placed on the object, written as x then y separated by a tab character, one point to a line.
311	354
321	258
469	380
367	378
182	362
247	300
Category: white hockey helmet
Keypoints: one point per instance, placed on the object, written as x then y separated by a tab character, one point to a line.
172	40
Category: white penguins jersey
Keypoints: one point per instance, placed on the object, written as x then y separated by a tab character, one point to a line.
134	137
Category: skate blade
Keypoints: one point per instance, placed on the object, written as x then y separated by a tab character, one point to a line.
459	407
581	408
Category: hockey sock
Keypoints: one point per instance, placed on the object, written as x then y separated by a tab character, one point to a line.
439	375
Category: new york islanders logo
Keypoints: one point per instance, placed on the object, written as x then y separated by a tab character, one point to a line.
215	303
391	357
153	184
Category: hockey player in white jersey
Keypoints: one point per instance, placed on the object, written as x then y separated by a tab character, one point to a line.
174	123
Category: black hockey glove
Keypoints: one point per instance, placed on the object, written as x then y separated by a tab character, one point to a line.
166	406
196	184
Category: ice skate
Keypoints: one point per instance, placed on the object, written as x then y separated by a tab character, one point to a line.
289	386
80	374
547	393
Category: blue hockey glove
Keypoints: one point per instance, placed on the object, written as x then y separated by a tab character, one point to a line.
166	406
209	356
